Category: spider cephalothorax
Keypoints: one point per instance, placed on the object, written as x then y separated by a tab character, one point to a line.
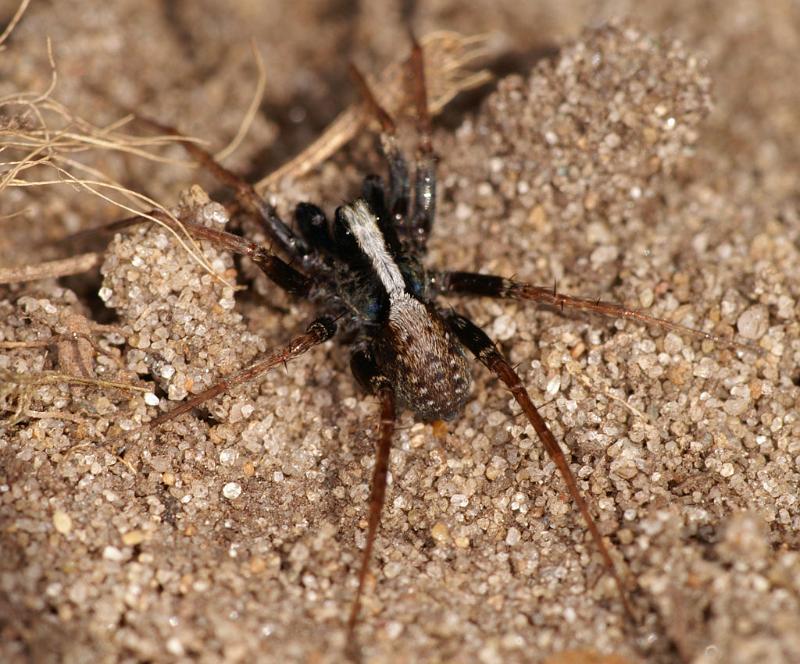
363	269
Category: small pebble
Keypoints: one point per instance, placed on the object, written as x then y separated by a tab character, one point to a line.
232	490
553	386
604	254
62	522
133	537
459	500
440	532
175	647
112	553
228	457
394	629
753	323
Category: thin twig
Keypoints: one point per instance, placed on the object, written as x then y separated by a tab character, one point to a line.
49	269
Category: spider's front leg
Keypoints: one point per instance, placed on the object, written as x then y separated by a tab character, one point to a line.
290	243
275	268
399	186
478	343
424	209
369	376
414	224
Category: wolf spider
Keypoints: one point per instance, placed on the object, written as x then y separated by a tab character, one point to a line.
364	271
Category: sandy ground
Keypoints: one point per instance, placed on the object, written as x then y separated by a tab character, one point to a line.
616	161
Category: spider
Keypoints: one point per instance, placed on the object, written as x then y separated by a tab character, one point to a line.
365	271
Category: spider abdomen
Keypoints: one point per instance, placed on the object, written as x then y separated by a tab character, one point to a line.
423	361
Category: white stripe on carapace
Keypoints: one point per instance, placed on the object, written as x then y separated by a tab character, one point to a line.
364	227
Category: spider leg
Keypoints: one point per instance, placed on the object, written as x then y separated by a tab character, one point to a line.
314	227
484	349
372	190
368	375
399	186
280	233
488	285
276	269
424	207
107	228
414	225
317	332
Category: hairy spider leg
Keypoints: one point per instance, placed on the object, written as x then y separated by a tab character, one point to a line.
319	331
488	285
275	268
423	209
480	345
392	211
413	225
286	239
367	374
399	184
314	227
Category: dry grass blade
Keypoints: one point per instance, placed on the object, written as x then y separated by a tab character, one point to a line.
252	110
17	390
42	136
23	6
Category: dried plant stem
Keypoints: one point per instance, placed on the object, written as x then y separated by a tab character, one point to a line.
49	269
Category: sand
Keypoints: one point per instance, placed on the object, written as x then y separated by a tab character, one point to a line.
653	161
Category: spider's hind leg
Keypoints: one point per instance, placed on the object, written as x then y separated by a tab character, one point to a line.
484	349
368	375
